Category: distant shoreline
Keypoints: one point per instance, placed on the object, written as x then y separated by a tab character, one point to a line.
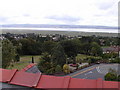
65	29
54	31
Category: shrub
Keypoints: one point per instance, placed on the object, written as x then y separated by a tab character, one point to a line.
111	77
66	69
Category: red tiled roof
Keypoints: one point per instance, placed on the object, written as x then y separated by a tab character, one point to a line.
25	79
53	82
45	81
82	83
110	84
7	75
28	67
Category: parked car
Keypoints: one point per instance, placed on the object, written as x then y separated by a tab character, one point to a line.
73	65
97	62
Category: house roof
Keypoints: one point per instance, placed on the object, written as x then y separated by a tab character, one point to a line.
53	82
28	67
111	49
37	80
7	75
31	68
25	79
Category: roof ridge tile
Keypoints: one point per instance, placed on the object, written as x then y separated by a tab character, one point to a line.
37	80
28	67
13	72
26	79
66	82
45	81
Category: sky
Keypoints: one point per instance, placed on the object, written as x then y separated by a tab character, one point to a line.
68	12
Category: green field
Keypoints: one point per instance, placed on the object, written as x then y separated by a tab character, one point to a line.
82	57
24	61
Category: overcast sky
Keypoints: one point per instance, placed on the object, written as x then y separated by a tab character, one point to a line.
75	12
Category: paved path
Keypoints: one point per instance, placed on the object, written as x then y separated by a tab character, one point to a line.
94	72
104	68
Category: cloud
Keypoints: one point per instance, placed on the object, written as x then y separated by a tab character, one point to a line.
65	19
87	12
26	15
3	19
106	4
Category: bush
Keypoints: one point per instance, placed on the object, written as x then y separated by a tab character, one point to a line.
116	60
111	77
84	66
66	69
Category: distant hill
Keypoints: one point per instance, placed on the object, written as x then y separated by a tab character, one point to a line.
56	26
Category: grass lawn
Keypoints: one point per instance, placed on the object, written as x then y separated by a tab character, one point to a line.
82	57
105	46
24	61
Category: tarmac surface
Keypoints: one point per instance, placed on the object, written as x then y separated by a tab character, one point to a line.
95	71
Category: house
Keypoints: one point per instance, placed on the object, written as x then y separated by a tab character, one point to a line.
114	49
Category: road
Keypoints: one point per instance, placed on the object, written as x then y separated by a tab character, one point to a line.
94	72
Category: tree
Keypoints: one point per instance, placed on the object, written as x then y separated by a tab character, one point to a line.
118	41
30	47
45	65
115	60
71	48
50	71
58	69
17	58
32	59
47	46
66	69
8	53
85	48
46	56
96	49
58	56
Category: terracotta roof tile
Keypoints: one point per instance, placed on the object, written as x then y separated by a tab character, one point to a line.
82	83
7	75
110	84
45	81
28	67
25	79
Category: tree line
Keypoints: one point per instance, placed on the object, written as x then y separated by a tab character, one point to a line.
55	54
58	51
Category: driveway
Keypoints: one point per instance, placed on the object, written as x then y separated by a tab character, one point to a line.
94	72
